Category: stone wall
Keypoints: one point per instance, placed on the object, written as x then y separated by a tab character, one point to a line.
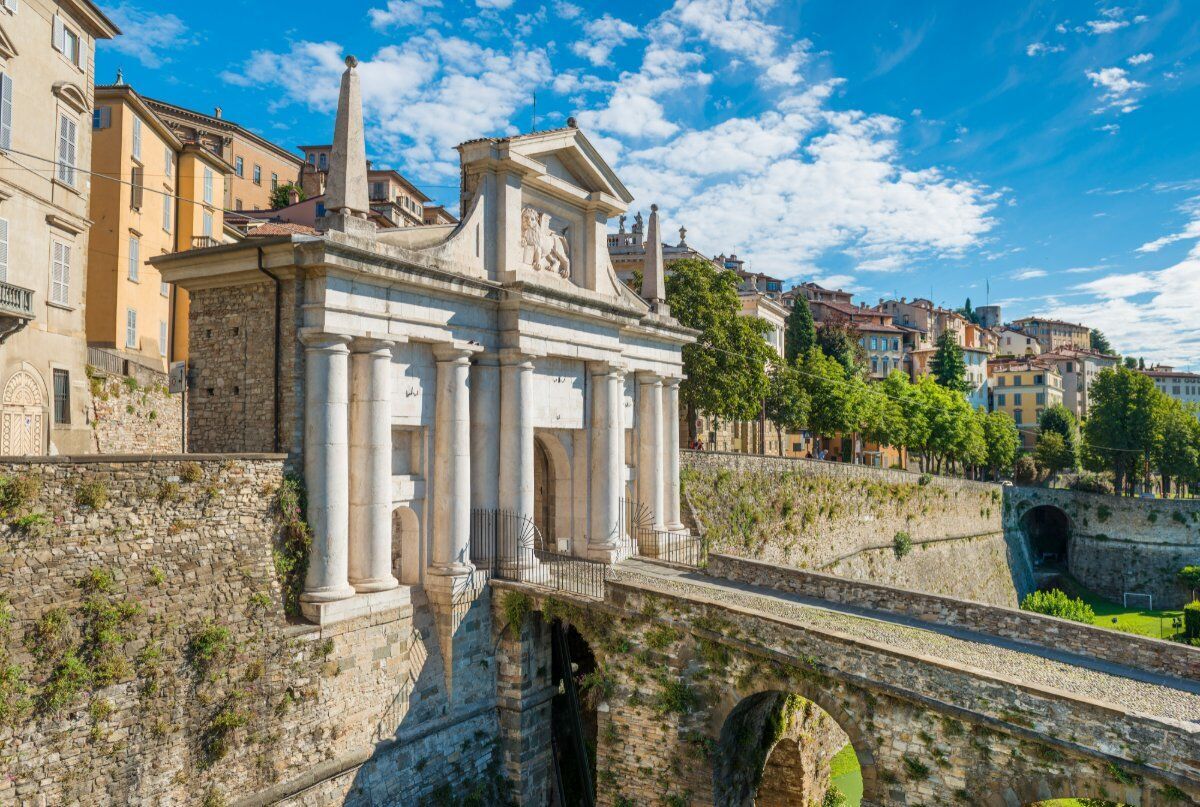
844	519
1170	658
1119	544
154	662
231	372
131	417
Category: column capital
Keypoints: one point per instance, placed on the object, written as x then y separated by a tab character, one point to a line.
672	382
373	342
606	368
647	378
457	352
317	339
515	357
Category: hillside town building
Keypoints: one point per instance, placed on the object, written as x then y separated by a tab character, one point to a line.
1052	334
418	372
164	195
1023	389
46	77
1180	385
1079	369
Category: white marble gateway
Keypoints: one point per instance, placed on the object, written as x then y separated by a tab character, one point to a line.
496	364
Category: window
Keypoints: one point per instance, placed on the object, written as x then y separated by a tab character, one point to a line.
162	338
137	138
66	41
60	273
3	250
311	158
101	117
1016	399
164	288
207	224
239	167
377	191
67	131
168	160
1040	398
1017	417
131	328
11	5
258	175
323	161
6	105
274	182
1000	399
167	213
135	258
1038	379
874	343
208	185
320	210
62	396
237	204
135	187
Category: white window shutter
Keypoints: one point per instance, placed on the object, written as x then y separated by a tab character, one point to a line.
6	110
60	35
3	250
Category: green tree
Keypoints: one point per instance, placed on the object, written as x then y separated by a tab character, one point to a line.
279	196
949	366
970	313
1177	444
1121	422
839	341
801	333
1052	453
1099	342
1056	603
830	395
1130	362
726	366
787	401
1003	441
1059	420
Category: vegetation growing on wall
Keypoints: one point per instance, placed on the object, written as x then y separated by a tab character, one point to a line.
295	540
1055	602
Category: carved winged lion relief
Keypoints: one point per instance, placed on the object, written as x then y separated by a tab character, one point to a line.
541	247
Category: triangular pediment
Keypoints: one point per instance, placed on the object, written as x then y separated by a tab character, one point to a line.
570	156
7	48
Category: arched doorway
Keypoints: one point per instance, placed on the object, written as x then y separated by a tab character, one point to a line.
777	749
543	494
407	561
1048	533
22	416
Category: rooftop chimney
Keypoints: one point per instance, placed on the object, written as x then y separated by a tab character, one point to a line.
653	282
217	112
346	188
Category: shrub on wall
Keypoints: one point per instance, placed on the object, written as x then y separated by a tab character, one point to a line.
1056	603
902	544
1191	620
1025	470
1090	482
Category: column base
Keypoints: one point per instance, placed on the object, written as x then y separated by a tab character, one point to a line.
606	553
327	613
452	570
327	594
372	584
677	526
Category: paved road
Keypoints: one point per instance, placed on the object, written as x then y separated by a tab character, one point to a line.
1125	687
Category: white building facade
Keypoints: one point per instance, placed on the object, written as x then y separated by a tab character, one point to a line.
450	370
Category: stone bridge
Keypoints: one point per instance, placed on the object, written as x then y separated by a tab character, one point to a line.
695	677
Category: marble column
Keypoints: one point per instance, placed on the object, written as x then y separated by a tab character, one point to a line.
651	457
326	466
607	460
485	441
452	464
516	434
670	420
371	466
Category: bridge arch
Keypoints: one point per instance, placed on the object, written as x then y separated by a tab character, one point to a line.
761	756
1048	530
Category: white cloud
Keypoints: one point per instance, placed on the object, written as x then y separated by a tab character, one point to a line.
1041	48
838	282
602	36
1119	90
420	100
567	11
1139	58
1028	274
399	13
145	35
494	4
1106	26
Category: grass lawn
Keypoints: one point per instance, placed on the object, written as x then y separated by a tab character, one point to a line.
1132	620
847	775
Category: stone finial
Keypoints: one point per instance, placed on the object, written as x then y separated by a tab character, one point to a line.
120	76
653	279
622	220
572	123
683	236
346	185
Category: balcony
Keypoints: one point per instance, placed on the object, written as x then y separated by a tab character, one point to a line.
16	308
204	242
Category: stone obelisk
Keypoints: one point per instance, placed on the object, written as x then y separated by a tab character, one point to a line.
347	206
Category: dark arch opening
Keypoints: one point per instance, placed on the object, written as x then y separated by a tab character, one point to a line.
778	749
1048	532
573	716
543	494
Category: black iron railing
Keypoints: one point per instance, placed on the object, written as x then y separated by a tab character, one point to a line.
649	542
509	546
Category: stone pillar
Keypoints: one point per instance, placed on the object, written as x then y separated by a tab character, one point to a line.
371	466
651	457
485	441
452	464
607	461
670	421
516	458
326	466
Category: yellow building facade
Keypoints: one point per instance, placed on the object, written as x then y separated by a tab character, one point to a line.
161	196
1023	390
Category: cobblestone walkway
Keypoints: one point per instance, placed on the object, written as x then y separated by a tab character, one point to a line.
1147	693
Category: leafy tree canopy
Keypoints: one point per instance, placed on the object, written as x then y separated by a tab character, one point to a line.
949	366
1100	342
801	334
279	196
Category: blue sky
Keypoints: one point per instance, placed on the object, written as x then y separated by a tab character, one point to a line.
1048	150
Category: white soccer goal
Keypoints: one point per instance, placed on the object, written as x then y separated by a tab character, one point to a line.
1143	601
